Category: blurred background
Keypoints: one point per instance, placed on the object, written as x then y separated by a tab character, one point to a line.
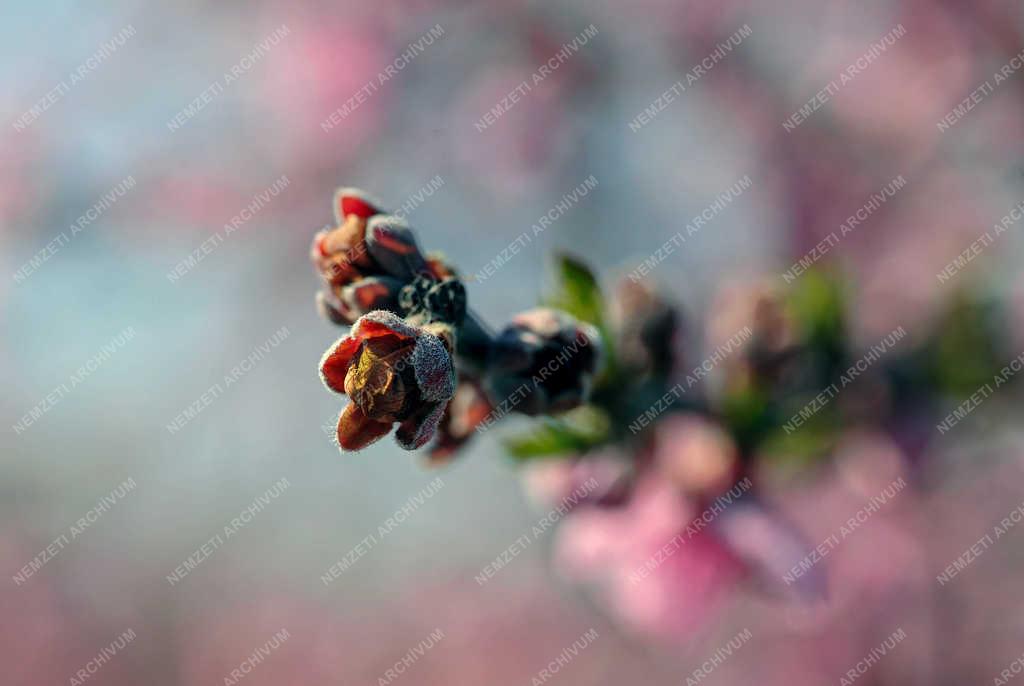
163	171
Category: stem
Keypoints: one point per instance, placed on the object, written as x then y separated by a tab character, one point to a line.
474	344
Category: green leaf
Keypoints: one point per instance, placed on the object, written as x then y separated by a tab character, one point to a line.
746	412
543	441
577	291
807	445
576	431
818	302
966	352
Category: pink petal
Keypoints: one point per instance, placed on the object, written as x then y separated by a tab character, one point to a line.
770	547
680	597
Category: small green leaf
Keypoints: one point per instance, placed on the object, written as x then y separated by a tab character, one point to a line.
818	302
577	291
966	351
545	440
746	412
805	446
576	431
589	422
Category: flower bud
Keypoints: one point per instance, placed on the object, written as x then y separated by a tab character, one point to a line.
543	362
393	372
646	329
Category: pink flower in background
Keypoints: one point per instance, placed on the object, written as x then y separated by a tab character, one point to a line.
532	136
689	533
915	237
318	72
195	202
926	66
600	477
624	553
695	455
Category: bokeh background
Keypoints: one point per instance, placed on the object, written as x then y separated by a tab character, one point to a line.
416	127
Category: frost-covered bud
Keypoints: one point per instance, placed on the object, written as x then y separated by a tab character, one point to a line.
467	409
347	303
429	299
543	362
393	372
340	254
365	260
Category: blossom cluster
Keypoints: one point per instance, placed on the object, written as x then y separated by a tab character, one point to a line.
415	356
670	447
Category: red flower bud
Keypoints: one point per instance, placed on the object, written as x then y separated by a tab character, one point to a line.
393	372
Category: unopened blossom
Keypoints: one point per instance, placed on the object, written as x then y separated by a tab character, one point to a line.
543	362
427	298
695	454
366	259
393	372
646	327
468	408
